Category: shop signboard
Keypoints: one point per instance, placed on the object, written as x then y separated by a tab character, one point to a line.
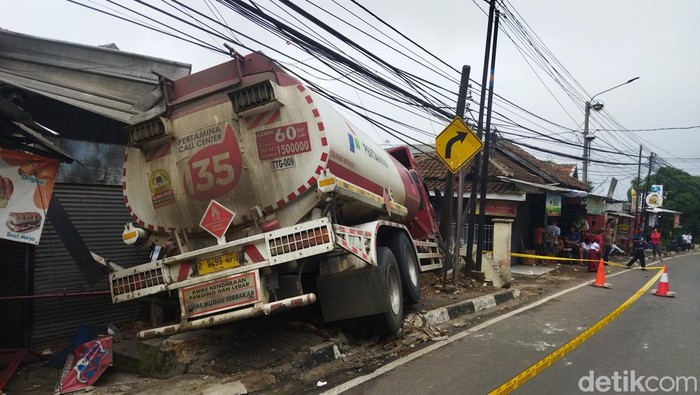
26	185
553	205
499	208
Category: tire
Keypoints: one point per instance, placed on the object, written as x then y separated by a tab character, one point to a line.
391	321
407	260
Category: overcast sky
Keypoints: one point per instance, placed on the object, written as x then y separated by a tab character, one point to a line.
599	44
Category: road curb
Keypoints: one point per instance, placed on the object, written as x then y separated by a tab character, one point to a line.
446	313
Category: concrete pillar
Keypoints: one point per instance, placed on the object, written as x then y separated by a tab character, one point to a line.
502	232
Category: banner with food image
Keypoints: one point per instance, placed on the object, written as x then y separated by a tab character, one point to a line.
26	185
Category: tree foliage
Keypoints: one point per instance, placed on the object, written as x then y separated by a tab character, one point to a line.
681	193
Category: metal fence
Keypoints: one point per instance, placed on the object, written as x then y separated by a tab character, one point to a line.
488	236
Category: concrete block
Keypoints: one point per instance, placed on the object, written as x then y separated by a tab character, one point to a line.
436	316
156	361
322	353
484	303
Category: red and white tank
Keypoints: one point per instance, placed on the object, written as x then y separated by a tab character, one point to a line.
250	136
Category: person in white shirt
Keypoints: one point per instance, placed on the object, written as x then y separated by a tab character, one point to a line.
594	250
585	249
593	256
690	241
685	239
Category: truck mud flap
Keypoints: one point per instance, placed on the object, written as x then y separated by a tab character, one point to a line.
350	295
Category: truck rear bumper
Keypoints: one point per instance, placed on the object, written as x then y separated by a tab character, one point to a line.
236	315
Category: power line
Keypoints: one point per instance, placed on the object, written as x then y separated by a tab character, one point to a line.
650	130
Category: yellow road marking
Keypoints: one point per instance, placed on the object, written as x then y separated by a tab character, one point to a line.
547	361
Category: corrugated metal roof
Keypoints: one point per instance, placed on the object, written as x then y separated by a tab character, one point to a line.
105	81
505	160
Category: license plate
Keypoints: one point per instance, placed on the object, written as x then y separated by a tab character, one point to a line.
218	263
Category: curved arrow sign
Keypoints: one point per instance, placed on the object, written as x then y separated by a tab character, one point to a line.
457	144
458	138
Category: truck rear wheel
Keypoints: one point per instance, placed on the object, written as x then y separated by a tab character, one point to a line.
391	321
404	253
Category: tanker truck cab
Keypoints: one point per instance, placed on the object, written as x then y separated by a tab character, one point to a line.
265	199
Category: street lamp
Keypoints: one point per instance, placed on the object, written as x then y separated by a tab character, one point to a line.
587	139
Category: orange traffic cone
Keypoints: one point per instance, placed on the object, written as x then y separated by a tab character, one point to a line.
663	286
600	276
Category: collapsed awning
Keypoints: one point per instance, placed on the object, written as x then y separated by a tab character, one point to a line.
533	187
18	131
103	80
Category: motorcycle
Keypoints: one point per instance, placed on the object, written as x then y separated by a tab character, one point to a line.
673	246
615	250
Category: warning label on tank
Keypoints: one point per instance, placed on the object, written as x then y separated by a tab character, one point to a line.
221	294
161	190
283	141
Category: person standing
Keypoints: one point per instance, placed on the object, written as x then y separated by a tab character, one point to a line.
638	246
551	238
593	256
598	238
655	238
585	250
690	241
537	238
685	242
608	240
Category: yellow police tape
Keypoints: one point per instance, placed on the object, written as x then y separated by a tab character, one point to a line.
547	361
556	258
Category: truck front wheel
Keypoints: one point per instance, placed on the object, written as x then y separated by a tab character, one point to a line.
391	320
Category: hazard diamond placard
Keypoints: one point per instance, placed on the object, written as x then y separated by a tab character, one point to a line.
217	219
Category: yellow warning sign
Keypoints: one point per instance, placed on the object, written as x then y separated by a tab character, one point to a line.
457	144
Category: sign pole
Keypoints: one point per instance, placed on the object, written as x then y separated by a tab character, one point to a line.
461	104
455	146
446	220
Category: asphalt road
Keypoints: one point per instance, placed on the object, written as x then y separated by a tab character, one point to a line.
654	338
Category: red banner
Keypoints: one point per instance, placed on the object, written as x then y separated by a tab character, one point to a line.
499	208
26	185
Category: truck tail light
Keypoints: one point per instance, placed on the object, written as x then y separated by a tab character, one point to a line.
299	241
151	132
254	98
137	281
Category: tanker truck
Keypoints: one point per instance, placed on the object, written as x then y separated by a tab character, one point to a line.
257	196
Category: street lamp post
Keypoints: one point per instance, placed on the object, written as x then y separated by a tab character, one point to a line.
586	138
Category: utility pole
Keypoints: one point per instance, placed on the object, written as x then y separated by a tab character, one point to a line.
586	138
646	190
446	217
461	105
485	164
586	141
639	192
479	132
